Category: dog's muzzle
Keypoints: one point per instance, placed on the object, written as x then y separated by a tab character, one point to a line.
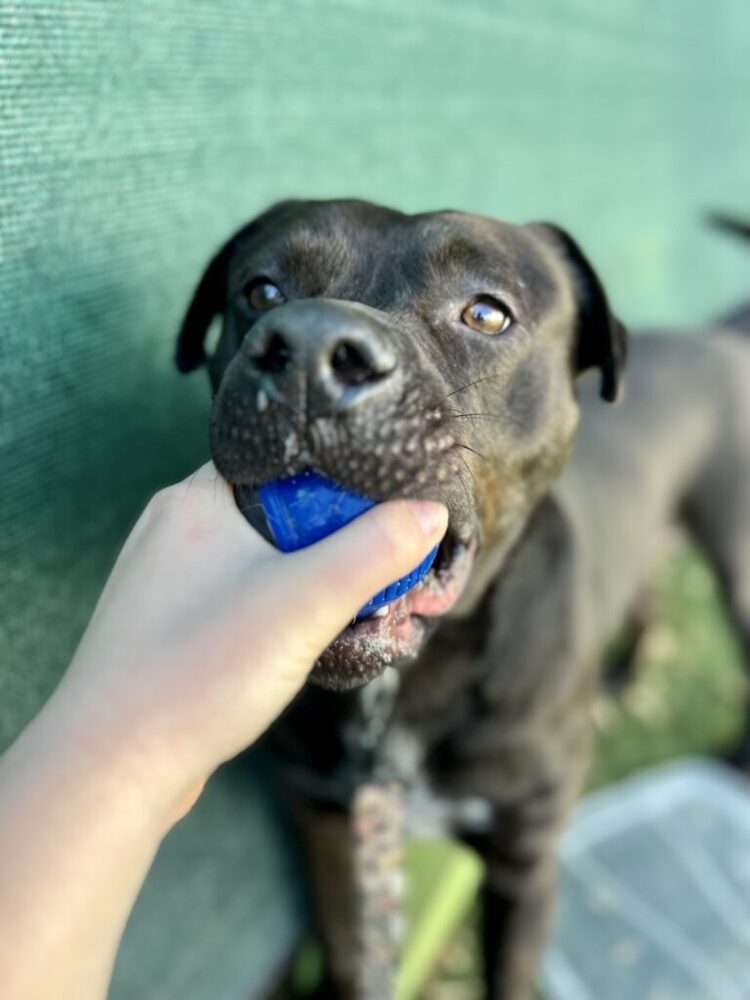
326	385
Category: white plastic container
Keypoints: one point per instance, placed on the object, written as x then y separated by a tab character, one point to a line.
655	890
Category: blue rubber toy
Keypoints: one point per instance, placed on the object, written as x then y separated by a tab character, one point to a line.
304	508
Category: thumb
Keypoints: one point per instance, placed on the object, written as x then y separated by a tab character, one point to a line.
331	580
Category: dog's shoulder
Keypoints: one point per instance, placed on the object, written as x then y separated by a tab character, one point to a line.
504	651
531	615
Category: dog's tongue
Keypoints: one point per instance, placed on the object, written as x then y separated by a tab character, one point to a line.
306	507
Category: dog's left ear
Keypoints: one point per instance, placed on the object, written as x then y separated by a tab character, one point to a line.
601	340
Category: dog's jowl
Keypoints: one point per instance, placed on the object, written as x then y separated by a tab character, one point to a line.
444	356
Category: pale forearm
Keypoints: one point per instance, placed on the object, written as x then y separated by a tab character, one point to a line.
78	832
187	659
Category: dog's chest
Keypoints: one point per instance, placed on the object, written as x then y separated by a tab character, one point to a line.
429	810
435	704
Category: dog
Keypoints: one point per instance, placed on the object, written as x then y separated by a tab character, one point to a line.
457	358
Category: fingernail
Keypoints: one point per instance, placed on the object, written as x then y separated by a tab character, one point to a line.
433	518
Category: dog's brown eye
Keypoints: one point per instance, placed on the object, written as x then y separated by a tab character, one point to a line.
261	294
487	315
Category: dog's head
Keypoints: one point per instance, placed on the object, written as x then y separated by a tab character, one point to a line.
429	356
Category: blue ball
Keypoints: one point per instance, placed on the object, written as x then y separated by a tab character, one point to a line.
306	507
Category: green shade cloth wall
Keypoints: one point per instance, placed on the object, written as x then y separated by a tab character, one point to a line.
135	135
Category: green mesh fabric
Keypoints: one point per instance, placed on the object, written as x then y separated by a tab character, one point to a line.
135	135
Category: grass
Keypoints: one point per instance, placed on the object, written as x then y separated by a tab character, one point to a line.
688	692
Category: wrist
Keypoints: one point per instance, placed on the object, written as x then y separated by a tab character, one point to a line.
111	767
81	820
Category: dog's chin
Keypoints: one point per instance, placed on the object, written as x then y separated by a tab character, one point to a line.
394	635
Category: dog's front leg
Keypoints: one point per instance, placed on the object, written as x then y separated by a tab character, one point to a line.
514	928
520	857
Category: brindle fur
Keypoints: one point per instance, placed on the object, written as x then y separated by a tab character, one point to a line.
497	703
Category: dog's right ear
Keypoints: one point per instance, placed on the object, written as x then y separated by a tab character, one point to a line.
208	300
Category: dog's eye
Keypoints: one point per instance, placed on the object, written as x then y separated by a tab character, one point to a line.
487	315
260	294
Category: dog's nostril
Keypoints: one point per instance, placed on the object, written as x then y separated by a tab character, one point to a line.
350	364
275	357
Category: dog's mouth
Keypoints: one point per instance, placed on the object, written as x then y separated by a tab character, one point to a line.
434	595
394	633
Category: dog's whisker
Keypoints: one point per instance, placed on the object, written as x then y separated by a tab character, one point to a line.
461	479
458	416
469	385
466	447
468	469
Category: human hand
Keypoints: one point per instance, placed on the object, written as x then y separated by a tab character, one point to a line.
204	631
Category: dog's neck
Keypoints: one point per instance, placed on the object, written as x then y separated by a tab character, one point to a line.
488	564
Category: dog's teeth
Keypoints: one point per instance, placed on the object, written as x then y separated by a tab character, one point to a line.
381	612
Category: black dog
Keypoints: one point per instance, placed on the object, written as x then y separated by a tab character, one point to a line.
437	356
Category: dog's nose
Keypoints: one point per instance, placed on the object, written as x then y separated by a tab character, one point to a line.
339	349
